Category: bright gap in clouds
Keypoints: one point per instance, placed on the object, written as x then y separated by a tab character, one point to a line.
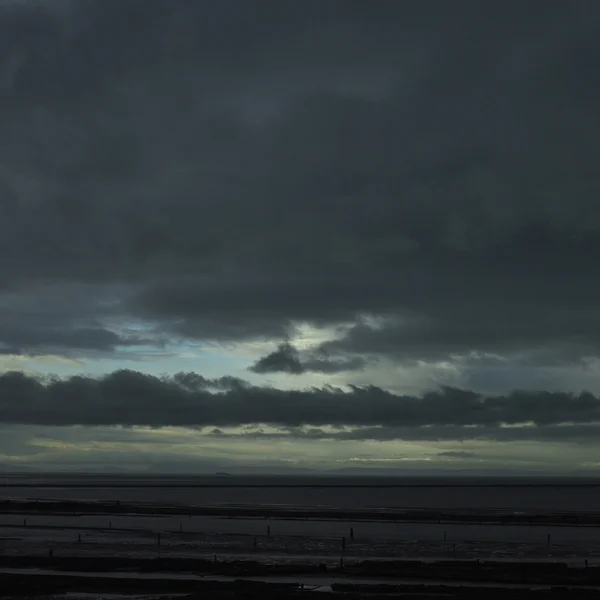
192	451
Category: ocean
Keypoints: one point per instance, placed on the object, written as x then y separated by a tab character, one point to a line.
516	493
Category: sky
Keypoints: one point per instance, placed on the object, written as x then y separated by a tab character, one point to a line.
300	235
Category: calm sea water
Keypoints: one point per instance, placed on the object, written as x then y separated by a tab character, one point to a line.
543	494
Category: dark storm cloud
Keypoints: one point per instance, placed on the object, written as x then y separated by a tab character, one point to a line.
561	338
287	359
240	167
54	337
4	349
129	398
62	318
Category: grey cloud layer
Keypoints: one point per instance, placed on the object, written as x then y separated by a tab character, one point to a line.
190	400
240	167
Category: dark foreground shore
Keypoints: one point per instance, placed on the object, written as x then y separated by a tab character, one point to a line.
47	576
112	548
14	586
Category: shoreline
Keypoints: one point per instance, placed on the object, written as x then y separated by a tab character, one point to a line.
471	516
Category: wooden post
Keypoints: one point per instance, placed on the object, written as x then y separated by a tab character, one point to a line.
79	537
268	531
351	533
24	522
110	524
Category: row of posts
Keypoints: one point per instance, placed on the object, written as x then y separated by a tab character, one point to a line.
269	535
255	541
51	552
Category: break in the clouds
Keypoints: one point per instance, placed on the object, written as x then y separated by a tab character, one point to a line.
415	181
